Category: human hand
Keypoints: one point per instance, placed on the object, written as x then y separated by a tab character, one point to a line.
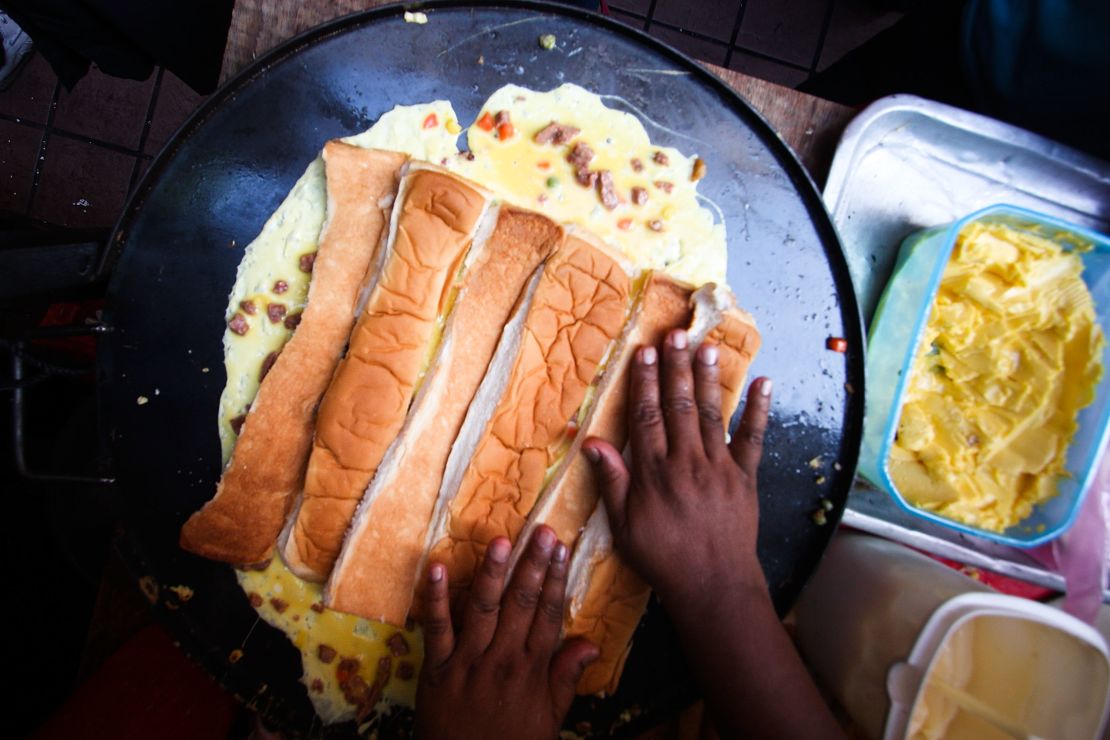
501	676
685	514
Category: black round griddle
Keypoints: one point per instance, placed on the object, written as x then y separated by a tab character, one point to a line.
210	190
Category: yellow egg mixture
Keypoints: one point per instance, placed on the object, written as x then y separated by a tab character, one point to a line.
1011	353
663	227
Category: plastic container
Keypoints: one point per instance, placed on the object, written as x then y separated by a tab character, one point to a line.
1018	667
897	328
876	619
862	612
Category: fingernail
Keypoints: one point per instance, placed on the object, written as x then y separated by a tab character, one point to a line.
679	340
435	573
560	555
545	538
647	356
499	550
765	387
591	454
709	354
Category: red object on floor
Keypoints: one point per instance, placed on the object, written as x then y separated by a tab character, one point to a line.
147	689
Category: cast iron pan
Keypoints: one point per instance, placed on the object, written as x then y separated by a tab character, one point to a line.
211	189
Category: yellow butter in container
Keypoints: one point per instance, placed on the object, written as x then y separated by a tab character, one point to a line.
1010	354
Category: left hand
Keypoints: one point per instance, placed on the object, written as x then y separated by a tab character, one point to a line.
503	675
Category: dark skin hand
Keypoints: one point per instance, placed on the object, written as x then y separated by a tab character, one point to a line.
503	675
685	515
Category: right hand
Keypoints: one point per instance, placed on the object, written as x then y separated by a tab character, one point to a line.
685	514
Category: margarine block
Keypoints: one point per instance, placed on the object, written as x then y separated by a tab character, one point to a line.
987	349
242	522
434	221
607	598
578	308
378	567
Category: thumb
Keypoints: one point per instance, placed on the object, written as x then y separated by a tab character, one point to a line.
613	478
567	667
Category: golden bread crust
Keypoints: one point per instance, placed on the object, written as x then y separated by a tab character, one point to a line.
578	309
242	522
376	573
368	398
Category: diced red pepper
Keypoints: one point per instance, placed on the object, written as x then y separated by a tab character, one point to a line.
504	131
624	224
836	344
486	122
431	121
544	165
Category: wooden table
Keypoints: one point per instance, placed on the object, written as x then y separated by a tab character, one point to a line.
810	126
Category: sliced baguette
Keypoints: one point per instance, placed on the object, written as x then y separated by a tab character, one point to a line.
436	218
266	470
377	569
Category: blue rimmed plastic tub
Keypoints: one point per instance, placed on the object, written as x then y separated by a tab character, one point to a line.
896	330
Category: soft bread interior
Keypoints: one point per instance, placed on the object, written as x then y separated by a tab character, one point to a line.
241	524
578	309
432	226
376	572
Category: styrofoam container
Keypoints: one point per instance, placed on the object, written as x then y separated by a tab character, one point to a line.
896	330
1044	672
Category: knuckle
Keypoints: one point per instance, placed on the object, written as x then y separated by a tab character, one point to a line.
484	606
552	611
710	412
525	598
753	437
647	413
437	626
680	405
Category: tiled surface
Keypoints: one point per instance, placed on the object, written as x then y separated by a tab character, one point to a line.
28	98
81	185
705	50
176	101
784	29
712	18
101	136
104	108
99	140
19	148
765	69
853	22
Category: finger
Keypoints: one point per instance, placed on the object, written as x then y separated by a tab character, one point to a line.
747	445
439	636
707	390
613	478
567	668
518	606
483	604
548	620
680	412
645	423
